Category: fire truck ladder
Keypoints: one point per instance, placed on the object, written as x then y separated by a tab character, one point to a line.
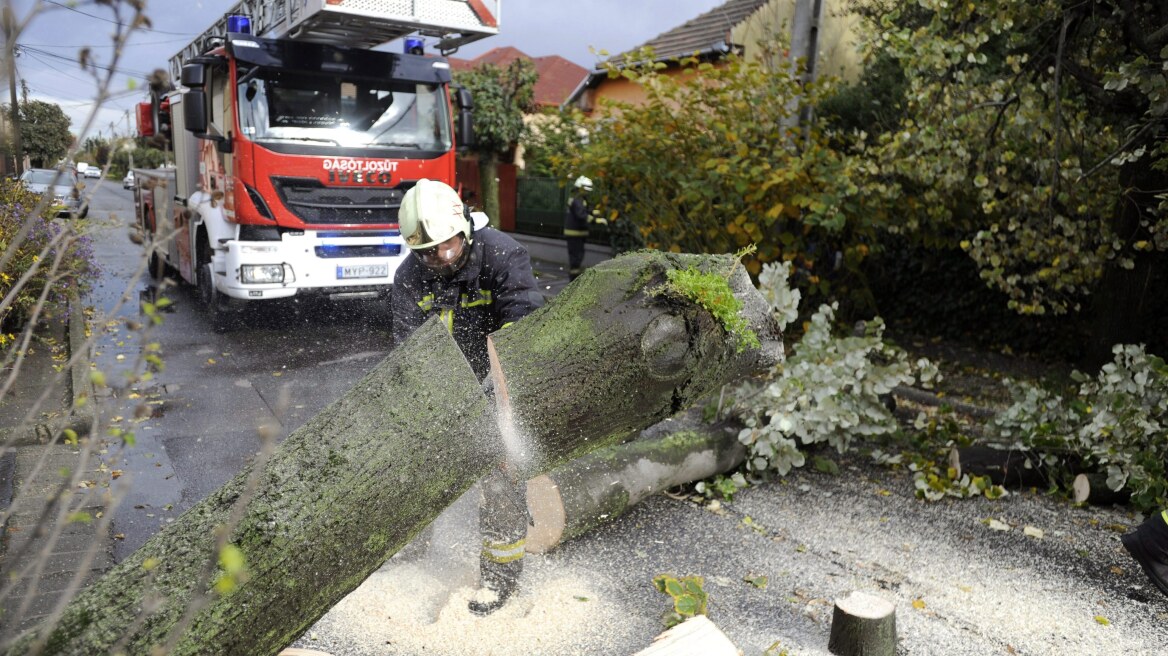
355	23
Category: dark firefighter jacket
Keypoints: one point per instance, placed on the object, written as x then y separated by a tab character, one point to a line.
494	288
577	217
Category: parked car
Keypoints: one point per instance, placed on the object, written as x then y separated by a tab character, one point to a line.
128	181
93	172
64	187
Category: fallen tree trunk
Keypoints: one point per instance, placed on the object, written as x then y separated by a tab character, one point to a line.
603	485
618	355
353	485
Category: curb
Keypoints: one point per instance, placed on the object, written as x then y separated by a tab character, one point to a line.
79	386
78	550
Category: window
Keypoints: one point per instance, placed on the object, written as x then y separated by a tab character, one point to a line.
283	106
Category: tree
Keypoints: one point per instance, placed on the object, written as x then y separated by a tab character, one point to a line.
552	141
98	150
1033	135
502	96
44	131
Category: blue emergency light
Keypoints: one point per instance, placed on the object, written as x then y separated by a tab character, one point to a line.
414	46
239	24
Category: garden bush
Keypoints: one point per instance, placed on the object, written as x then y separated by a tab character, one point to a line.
40	258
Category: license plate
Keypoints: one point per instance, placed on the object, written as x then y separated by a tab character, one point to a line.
362	271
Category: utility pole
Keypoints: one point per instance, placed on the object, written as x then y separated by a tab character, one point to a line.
805	46
10	53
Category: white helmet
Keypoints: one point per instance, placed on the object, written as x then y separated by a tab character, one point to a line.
431	212
584	183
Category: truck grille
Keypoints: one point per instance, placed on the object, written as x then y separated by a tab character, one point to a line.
316	204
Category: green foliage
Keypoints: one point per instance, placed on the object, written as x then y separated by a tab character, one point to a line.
45	258
502	96
873	104
232	570
937	292
44	132
1029	129
1116	423
143	158
712	162
689	598
933	482
828	392
724	487
552	142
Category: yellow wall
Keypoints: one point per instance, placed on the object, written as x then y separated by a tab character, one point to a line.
838	54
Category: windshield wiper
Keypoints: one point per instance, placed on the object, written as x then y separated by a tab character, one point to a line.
317	139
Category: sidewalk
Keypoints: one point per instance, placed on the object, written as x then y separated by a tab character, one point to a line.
549	260
37	467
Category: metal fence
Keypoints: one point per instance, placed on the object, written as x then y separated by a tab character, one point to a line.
539	209
539	206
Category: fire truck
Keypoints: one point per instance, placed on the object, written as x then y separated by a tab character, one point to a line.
294	142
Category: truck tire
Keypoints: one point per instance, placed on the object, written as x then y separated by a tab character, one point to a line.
222	319
155	265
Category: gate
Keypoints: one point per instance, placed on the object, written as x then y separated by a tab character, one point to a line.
539	207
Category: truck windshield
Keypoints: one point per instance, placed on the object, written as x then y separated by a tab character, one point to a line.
283	106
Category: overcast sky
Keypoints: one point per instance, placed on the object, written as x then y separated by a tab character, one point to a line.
53	38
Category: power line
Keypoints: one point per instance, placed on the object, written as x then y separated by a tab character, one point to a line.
36	55
104	45
54	55
108	20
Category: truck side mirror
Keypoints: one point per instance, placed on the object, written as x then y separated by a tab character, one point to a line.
195	110
466	135
193	75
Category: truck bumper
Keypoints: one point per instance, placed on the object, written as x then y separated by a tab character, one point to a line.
317	263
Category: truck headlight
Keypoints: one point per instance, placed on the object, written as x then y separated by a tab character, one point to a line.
261	273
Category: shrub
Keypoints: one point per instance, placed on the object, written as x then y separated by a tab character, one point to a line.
1116	423
829	391
40	256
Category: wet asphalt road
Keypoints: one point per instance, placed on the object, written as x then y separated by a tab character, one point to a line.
214	392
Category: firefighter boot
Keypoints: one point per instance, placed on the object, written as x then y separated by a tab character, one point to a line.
1148	544
498	582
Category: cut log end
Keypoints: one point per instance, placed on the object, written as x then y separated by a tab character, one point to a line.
546	507
1081	488
863	625
697	636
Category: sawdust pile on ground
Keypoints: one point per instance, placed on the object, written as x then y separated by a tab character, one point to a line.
408	610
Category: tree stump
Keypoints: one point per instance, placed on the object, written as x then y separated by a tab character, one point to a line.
353	485
863	625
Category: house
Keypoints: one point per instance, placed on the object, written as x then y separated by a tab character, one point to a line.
741	26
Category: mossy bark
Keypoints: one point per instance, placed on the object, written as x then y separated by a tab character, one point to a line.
353	485
340	495
601	486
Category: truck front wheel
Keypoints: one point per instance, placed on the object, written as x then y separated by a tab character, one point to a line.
222	318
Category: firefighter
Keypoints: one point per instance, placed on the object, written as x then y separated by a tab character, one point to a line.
576	219
1148	544
477	281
